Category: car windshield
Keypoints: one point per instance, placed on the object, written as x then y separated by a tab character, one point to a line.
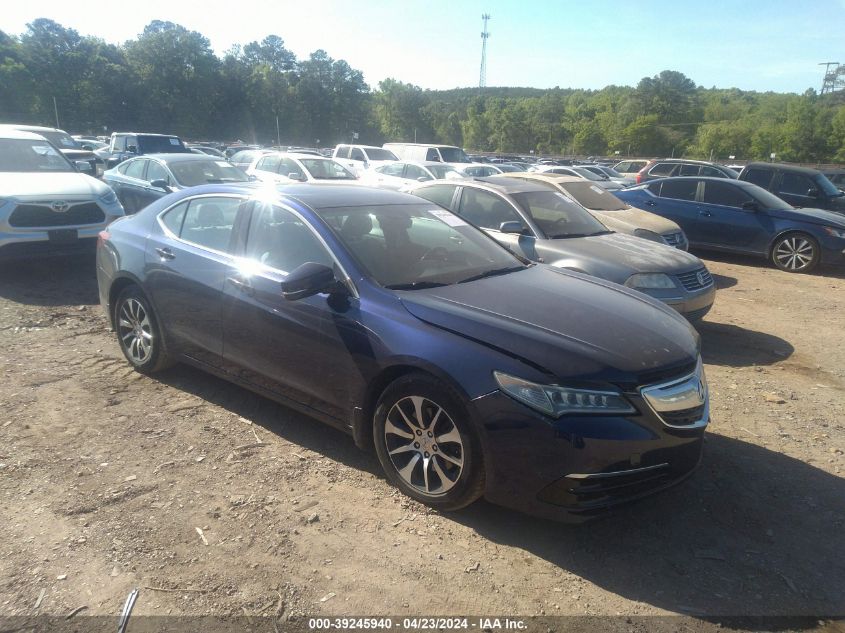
60	139
557	216
612	172
326	169
453	155
827	187
416	246
593	197
444	171
161	145
377	153
190	173
19	155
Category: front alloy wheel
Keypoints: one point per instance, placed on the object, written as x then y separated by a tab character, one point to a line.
426	444
795	253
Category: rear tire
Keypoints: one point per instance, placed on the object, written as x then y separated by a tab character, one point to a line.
426	443
795	253
138	332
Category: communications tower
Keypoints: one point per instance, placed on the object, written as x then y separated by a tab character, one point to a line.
482	76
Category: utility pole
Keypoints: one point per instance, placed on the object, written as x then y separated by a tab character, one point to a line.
56	110
482	76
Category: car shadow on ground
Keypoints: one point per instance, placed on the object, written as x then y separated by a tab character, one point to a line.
55	281
734	346
284	422
753	532
723	281
834	272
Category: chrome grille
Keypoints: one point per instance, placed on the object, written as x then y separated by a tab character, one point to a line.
696	279
42	215
682	403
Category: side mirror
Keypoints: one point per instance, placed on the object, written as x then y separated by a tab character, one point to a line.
511	227
160	184
307	280
751	205
296	176
251	178
132	149
812	193
423	179
83	166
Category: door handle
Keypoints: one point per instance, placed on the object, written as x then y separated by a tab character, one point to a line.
706	214
241	284
165	253
650	203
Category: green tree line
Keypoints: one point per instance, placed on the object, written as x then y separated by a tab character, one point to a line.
169	79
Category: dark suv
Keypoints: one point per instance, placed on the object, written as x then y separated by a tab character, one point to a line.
799	186
671	167
125	145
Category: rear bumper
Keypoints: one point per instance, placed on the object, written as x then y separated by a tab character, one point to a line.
573	469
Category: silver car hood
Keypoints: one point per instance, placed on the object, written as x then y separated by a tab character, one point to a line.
37	185
616	256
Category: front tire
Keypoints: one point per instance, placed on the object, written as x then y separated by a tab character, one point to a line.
138	332
426	443
795	253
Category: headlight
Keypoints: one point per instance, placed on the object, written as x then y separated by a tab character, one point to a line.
650	281
828	229
556	401
110	197
649	235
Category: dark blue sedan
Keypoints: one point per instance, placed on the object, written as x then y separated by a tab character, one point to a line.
469	370
737	216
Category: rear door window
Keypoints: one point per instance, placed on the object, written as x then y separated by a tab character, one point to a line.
724	194
136	168
679	189
689	170
712	172
209	222
342	151
268	163
438	194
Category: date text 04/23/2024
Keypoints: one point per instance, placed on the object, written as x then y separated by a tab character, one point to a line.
417	624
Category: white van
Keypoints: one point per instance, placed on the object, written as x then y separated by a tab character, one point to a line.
361	157
422	152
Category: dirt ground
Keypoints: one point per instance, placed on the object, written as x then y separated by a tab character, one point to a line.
213	500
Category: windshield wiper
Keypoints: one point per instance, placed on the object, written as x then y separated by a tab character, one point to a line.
416	285
492	273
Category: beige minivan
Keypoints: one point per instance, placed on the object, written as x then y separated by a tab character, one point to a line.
610	210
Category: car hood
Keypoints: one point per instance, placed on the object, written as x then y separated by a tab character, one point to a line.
805	214
564	323
614	256
32	186
640	219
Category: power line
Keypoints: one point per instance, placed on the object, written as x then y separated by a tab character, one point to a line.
482	76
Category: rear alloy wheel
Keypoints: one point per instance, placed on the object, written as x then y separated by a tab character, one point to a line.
426	444
138	332
795	253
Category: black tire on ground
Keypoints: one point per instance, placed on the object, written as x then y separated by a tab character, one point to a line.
138	332
437	460
795	253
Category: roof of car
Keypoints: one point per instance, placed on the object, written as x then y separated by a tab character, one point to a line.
730	181
182	157
12	133
144	134
785	167
546	176
505	184
29	128
322	197
685	160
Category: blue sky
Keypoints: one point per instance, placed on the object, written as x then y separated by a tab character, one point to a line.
749	44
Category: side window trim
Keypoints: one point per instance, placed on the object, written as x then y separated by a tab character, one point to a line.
169	233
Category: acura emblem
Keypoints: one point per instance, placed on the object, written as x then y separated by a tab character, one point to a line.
60	207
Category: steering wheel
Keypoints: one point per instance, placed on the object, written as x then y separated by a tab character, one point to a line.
437	253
